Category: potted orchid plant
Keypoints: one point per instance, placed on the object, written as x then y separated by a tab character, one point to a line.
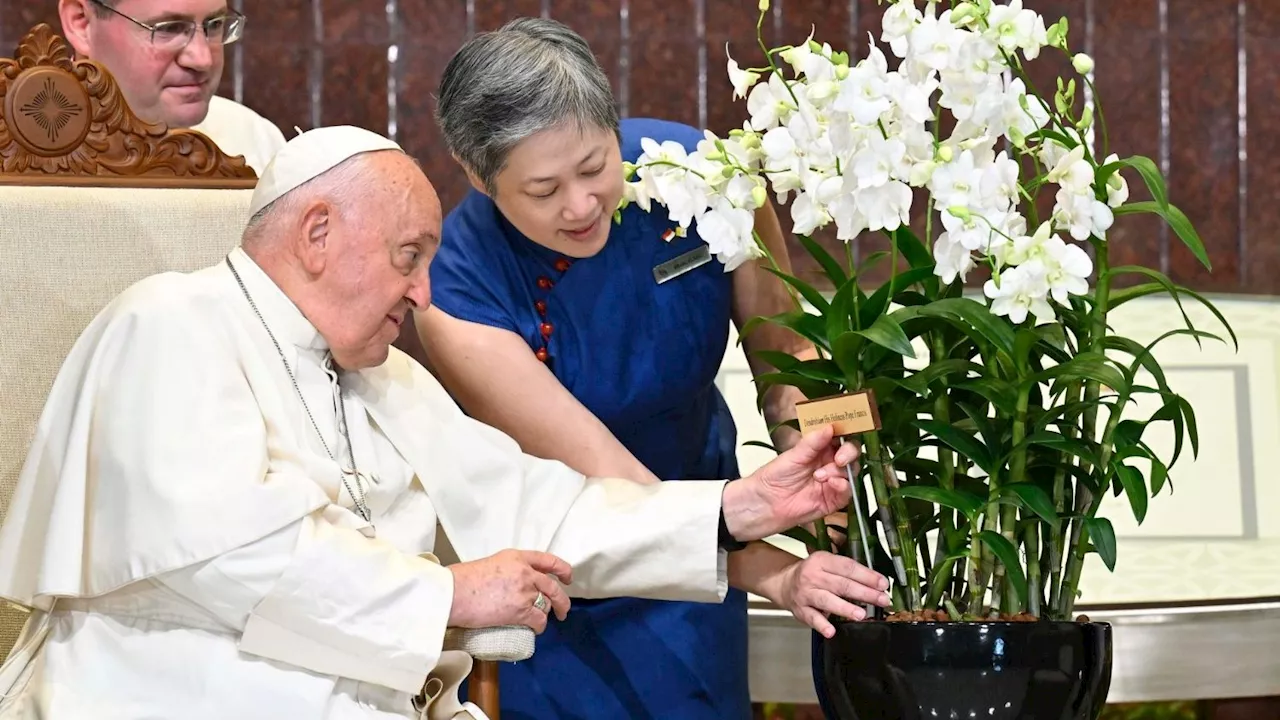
1005	408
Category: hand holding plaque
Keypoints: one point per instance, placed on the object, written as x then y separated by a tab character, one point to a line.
848	414
851	413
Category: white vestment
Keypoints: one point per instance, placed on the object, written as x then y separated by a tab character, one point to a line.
238	130
197	554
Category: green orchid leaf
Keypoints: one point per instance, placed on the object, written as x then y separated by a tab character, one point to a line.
986	426
995	391
807	291
1151	176
1159	475
1120	296
908	298
840	316
804	536
835	273
973	317
878	302
806	325
920	381
1103	537
1128	432
960	441
1135	488
887	333
783	362
1072	446
967	503
1142	358
1176	220
1008	555
1033	498
1178	412
1085	366
912	249
846	350
870	261
1174	291
811	388
1024	341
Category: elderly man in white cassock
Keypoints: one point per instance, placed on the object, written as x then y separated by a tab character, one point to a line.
230	503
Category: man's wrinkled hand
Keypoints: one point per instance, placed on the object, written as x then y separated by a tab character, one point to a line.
799	486
502	589
824	584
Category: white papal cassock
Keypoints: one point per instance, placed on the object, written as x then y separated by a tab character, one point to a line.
197	554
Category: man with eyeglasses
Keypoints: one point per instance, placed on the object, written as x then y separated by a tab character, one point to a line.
167	56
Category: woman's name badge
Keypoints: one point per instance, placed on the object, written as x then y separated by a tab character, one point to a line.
681	264
851	414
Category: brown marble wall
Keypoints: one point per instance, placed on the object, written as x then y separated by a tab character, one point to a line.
1191	83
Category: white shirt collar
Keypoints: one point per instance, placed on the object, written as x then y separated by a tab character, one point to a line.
284	318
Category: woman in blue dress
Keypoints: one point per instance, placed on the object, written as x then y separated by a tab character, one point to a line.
548	322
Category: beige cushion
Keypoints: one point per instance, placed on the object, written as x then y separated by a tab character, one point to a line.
67	253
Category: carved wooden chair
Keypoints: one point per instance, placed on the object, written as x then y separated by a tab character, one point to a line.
92	199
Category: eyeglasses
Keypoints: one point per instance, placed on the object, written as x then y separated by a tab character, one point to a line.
173	35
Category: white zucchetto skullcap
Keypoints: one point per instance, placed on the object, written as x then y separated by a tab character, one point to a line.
311	154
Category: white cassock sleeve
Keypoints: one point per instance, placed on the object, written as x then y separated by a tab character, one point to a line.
329	600
627	539
622	538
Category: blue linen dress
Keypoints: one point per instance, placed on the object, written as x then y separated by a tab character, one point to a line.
643	358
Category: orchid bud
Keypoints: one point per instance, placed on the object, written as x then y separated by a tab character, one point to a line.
1060	102
945	153
628	170
1115	181
842	72
815	46
1056	36
751	141
840	58
963	12
960	212
617	217
759	195
764	5
1086	118
921	173
727	171
1082	63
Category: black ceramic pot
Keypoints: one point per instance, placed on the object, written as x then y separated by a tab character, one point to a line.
994	671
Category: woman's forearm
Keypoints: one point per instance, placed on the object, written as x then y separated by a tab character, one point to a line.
760	569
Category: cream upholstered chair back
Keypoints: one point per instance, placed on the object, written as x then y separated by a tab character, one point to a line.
68	252
91	201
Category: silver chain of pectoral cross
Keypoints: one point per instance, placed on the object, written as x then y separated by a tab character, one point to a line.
362	507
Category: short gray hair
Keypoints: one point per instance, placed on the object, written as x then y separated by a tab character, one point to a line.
501	87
